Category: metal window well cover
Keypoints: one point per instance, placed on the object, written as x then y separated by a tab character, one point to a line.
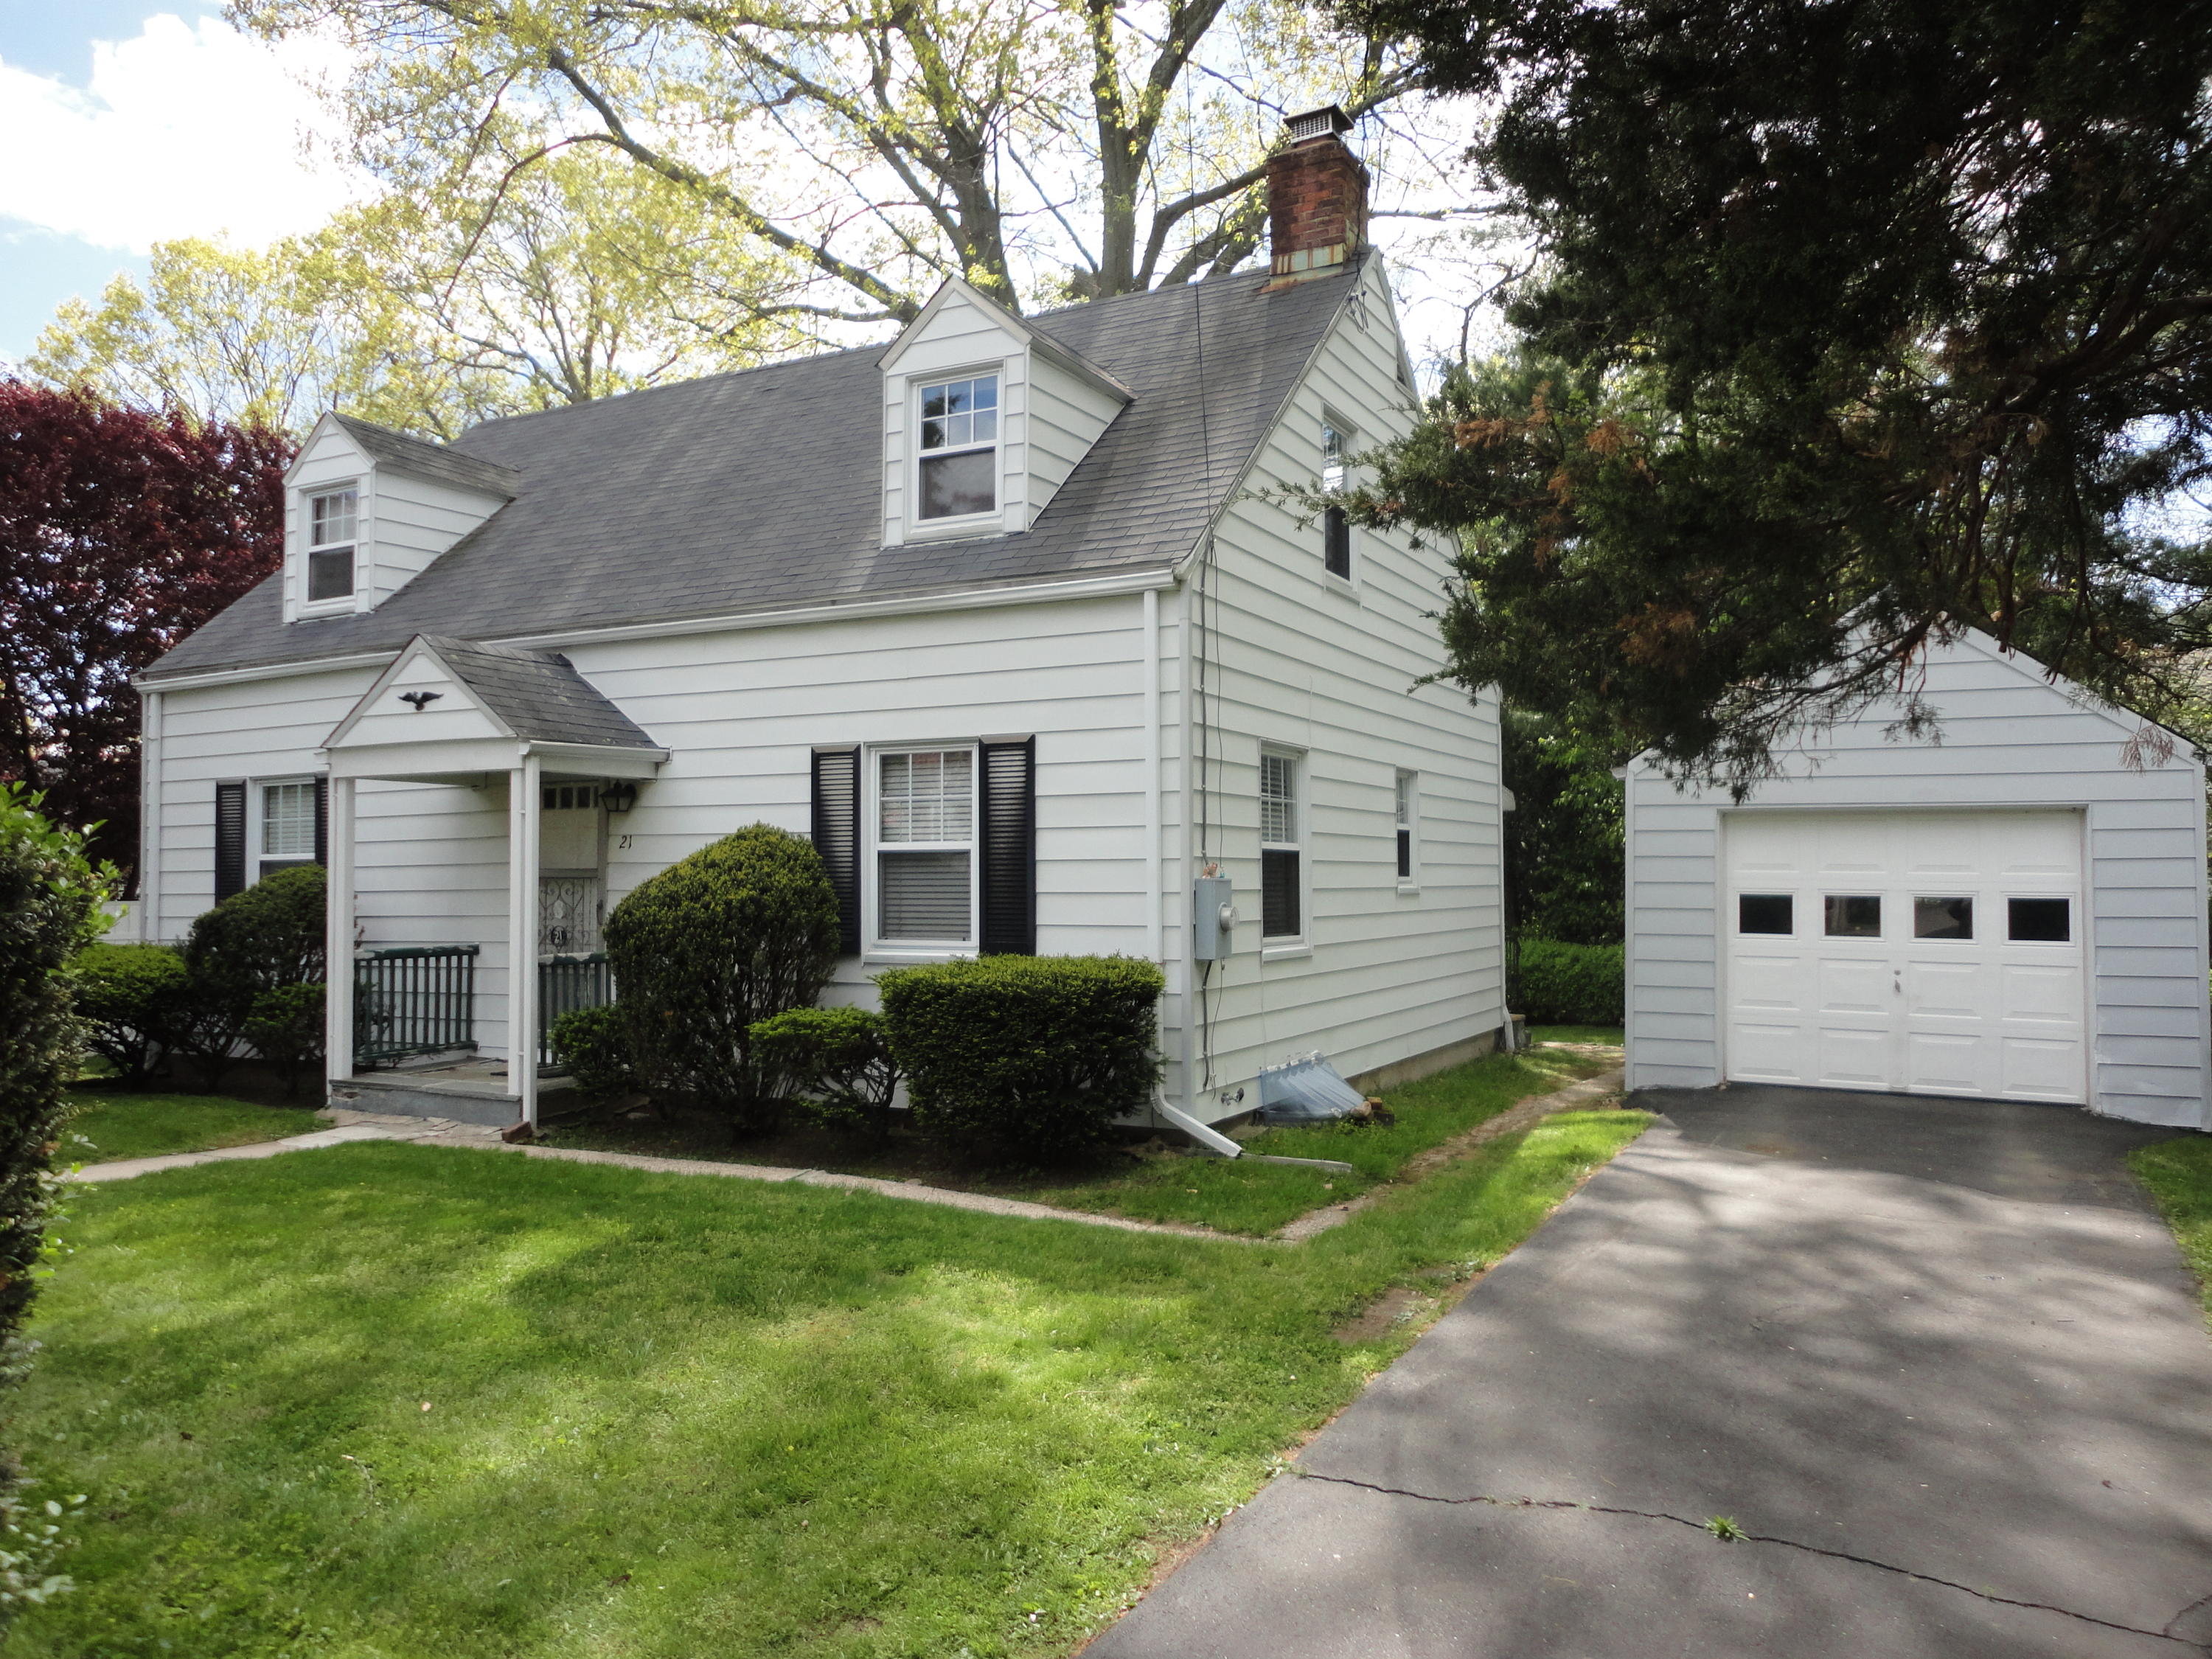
1307	1090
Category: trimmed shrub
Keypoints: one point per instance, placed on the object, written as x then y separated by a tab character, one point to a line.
50	899
122	990
1029	1057
270	935
739	931
285	1026
1572	984
839	1060
594	1046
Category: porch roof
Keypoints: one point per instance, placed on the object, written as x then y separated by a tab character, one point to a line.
501	702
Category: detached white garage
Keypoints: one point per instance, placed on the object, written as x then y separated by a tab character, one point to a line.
2013	912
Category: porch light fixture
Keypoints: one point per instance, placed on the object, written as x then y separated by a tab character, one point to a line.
618	797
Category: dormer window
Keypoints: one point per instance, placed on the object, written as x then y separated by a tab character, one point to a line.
331	517
960	448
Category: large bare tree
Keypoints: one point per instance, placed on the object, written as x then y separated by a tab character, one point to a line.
1045	150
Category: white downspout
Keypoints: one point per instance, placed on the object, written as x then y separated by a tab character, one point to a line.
150	817
337	945
1187	860
522	813
1155	945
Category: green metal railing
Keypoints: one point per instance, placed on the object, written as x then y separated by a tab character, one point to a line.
566	984
413	999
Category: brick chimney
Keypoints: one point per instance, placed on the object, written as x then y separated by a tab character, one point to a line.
1316	196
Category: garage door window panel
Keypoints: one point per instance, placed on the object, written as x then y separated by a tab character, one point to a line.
2039	920
1772	914
1853	916
1942	918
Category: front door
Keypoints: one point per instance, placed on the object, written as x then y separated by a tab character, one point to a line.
570	894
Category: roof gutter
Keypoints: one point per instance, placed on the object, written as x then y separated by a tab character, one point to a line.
1089	588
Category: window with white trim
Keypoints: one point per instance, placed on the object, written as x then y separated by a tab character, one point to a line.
1281	890
333	518
924	812
1336	529
958	465
1409	816
285	826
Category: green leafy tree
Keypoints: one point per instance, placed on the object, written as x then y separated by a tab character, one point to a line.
874	147
1564	842
50	900
1857	323
584	278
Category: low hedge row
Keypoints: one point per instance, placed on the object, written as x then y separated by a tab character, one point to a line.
1572	984
1021	1058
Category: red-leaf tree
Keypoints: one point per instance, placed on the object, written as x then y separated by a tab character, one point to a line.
121	530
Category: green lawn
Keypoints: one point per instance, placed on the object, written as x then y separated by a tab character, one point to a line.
389	1400
118	1124
1611	1036
2179	1176
1235	1195
1160	1185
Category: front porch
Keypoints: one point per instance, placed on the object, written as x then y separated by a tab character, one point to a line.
406	1041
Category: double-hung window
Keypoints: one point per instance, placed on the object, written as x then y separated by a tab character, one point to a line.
1281	878
287	826
960	450
332	518
925	811
1408	821
1336	529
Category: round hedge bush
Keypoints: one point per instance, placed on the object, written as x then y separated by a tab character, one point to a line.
736	933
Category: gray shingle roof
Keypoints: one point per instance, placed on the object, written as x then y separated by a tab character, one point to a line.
424	459
760	489
539	694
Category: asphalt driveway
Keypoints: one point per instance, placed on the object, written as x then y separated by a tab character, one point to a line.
1939	1358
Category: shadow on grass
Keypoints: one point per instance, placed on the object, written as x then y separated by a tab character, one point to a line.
667	1415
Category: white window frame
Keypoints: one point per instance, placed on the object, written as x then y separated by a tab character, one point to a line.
873	946
1276	946
1347	441
1406	815
257	817
965	524
348	601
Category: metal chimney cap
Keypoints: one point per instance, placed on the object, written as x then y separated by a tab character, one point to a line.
1318	123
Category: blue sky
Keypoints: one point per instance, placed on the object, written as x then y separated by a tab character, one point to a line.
132	121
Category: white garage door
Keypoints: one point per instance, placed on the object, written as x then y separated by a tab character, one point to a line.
1932	952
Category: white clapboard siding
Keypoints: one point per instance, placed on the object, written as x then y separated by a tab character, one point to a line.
431	867
1299	660
2008	738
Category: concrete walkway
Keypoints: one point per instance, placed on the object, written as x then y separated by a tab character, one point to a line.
353	1126
1937	1360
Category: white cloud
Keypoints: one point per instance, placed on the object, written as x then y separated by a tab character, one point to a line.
188	130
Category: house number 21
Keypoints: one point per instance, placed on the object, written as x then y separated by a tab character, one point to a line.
621	845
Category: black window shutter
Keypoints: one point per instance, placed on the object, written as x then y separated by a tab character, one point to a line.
1279	893
1009	848
322	820
229	839
837	836
1336	542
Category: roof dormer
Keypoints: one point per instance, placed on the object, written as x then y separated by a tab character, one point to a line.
368	509
984	417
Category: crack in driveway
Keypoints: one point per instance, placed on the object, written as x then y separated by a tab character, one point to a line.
2166	1635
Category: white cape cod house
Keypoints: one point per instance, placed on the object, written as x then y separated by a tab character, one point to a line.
1004	617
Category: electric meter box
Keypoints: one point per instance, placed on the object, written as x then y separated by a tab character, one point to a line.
1212	918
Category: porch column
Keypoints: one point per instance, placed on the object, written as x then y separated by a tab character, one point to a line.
337	945
522	809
